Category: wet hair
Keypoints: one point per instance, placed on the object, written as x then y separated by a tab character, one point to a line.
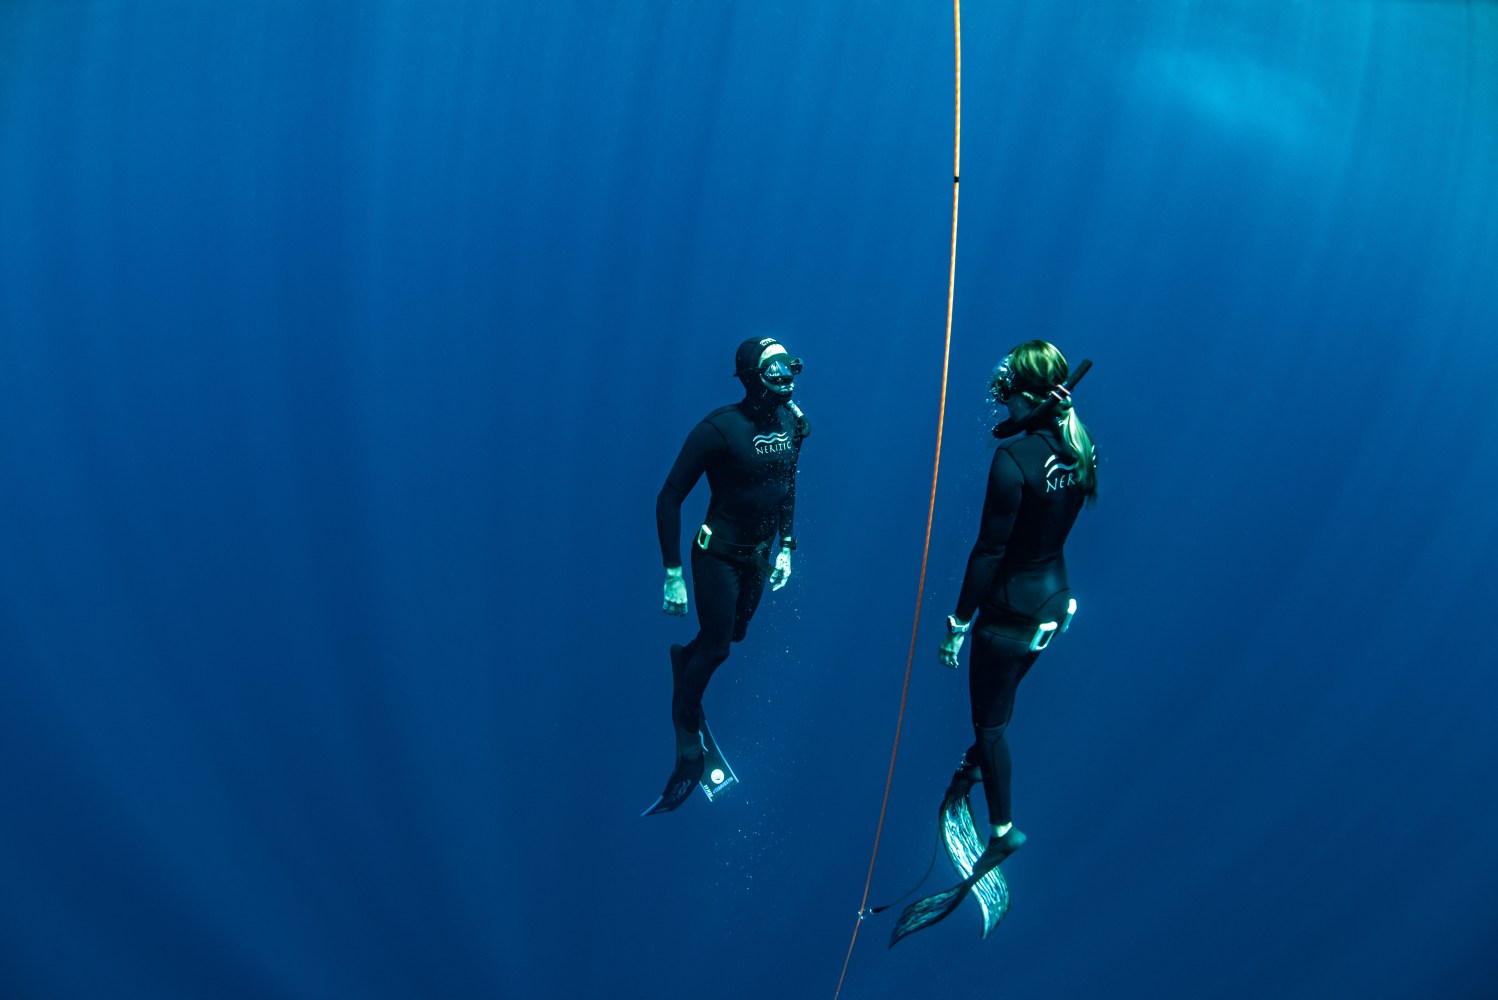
1038	367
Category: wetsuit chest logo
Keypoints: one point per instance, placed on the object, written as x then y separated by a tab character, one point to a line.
1059	475
770	444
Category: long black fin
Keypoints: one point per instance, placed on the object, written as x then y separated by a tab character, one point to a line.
960	835
678	790
925	912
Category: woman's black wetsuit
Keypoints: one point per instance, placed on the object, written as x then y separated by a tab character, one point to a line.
1016	579
748	451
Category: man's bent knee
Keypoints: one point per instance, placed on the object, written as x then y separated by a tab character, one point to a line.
710	653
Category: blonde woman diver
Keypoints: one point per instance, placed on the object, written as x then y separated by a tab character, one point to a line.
1015	596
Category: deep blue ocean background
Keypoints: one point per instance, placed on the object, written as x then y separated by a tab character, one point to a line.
344	347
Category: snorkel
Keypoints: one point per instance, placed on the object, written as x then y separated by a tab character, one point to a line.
1047	408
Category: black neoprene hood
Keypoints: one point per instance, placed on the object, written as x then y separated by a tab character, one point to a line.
746	358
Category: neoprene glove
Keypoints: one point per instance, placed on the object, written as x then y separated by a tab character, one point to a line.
782	570
674	600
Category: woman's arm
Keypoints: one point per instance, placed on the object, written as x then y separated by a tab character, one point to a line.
1000	506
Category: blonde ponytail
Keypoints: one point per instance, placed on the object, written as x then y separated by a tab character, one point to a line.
1077	438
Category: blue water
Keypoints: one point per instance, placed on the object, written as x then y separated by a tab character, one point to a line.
343	348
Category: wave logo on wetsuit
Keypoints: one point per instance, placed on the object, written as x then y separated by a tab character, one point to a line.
769	444
1059	475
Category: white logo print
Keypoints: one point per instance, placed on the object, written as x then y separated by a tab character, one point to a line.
1059	475
768	444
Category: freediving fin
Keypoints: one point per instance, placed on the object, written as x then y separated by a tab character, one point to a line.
925	912
678	787
712	771
960	835
981	876
717	776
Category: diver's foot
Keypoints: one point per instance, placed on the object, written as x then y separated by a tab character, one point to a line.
679	786
678	661
963	779
998	849
689	744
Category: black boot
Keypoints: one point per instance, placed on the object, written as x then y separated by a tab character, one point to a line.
998	849
684	778
964	778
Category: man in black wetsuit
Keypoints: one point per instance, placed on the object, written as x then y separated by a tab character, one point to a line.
748	451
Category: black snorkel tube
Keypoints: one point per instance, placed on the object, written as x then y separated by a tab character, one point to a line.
1043	412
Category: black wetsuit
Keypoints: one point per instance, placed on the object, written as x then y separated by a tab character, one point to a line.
1016	579
748	451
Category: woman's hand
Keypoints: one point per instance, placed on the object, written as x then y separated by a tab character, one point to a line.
674	593
951	645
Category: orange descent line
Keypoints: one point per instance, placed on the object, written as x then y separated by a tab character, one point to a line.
941	419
